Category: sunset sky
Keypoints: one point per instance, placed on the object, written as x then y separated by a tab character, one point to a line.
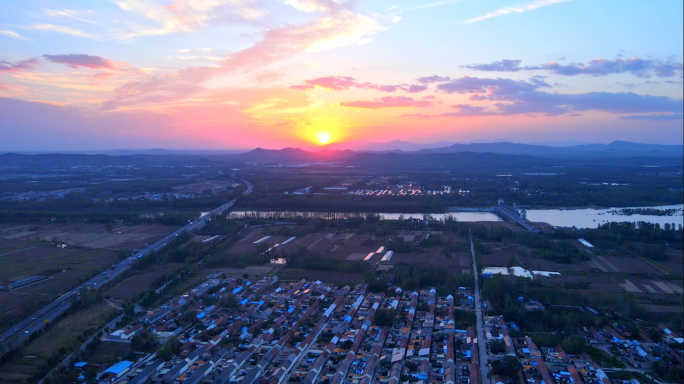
224	74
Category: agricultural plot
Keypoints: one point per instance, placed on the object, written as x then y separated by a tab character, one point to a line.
65	267
27	360
139	283
458	261
500	255
350	246
616	273
675	263
97	236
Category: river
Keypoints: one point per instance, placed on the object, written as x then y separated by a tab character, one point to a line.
590	218
580	218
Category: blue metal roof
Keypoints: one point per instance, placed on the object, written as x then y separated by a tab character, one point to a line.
119	367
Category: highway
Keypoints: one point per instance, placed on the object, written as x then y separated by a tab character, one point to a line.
20	333
481	341
250	188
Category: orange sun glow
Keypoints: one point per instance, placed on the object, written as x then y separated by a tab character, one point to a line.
323	137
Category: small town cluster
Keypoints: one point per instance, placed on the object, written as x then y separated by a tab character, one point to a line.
267	331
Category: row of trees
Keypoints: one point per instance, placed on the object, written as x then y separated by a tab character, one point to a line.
303	259
413	276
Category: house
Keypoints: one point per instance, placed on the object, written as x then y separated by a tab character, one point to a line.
131	331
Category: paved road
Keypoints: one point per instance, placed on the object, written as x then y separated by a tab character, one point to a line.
481	341
20	333
250	188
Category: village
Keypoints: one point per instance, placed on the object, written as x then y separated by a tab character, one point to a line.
268	331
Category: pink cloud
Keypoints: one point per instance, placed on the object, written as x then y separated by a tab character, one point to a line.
330	30
266	77
305	87
6	66
81	61
414	88
419	115
96	78
341	83
388	102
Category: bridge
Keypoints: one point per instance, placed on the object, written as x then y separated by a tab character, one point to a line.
513	214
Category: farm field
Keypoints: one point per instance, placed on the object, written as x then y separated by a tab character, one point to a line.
618	283
675	262
65	267
64	334
97	236
139	283
597	263
28	250
254	271
500	256
348	245
609	273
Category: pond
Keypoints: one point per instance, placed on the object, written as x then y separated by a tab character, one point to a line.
591	218
459	216
561	217
517	271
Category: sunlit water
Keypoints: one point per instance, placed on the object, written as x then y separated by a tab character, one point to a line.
459	216
517	271
591	218
580	218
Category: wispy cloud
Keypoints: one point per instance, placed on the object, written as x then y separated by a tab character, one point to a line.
657	117
520	97
332	29
68	13
64	30
81	61
188	16
516	9
596	67
341	83
388	102
6	66
13	35
424	6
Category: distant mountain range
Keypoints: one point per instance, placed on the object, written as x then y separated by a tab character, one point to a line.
614	149
150	151
338	151
260	155
372	146
333	152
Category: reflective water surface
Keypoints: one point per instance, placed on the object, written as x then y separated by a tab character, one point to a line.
580	218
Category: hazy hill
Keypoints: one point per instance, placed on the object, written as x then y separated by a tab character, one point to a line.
67	160
394	145
260	155
614	149
438	161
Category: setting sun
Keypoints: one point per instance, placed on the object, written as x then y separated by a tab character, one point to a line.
323	137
